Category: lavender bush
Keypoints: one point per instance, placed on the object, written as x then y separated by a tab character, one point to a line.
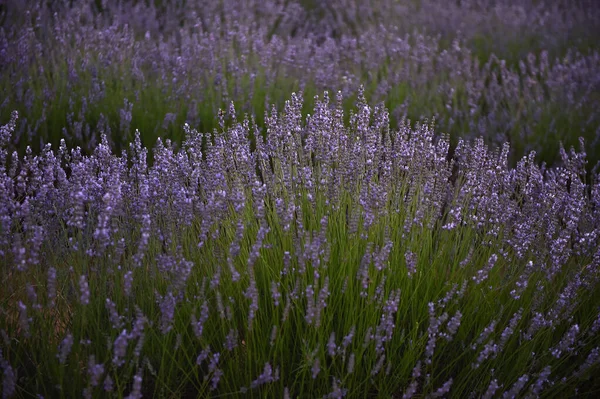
335	259
176	222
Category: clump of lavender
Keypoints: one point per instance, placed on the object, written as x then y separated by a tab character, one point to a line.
304	228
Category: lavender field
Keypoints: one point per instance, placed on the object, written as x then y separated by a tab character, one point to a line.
300	199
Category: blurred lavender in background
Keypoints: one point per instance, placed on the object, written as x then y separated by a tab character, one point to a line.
520	71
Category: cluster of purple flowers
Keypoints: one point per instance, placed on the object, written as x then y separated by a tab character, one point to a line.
496	203
446	268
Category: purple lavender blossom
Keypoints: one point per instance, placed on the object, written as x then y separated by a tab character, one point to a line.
331	346
485	334
24	319
167	309
566	343
310	305
517	387
347	340
214	361
321	303
351	361
127	283
411	390
433	331
108	384
491	390
137	386
316	368
266	377
115	319
84	290
592	360
273	335
9	380
95	371
453	325
543	378
252	294
443	390
490	349
120	349
482	274
64	349
203	356
231	340
198	324
32	296
216	377
510	329
337	391
377	368
411	263
275	294
51	286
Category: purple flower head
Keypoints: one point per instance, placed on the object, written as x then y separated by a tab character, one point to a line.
543	378
136	390
566	343
51	286
275	294
24	319
65	348
273	335
443	390
351	361
115	319
266	377
347	340
120	349
337	392
203	355
231	340
491	390
453	325
214	361
9	380
316	368
127	283
592	360
95	371
482	274
331	346
167	308
84	290
198	324
108	384
411	262
513	392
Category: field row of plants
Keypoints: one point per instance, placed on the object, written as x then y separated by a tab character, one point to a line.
299	199
505	70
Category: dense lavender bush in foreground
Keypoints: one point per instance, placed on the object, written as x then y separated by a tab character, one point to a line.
330	259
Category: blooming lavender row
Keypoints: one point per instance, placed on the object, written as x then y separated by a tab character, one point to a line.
314	257
79	72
